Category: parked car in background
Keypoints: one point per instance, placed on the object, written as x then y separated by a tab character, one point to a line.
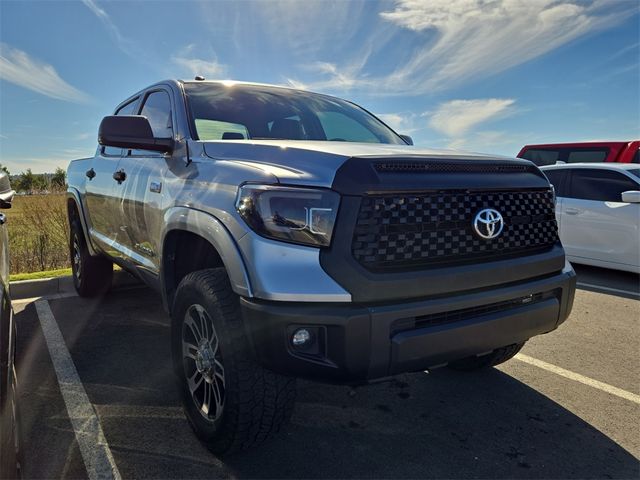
9	426
598	213
586	152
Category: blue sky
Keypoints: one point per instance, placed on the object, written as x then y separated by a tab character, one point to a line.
481	75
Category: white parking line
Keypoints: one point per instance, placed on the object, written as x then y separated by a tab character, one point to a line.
605	387
94	449
608	289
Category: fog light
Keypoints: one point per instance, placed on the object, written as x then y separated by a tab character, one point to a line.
301	337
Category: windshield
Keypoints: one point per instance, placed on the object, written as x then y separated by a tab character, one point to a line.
242	112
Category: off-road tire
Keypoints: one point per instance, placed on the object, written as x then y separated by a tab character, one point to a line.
257	402
92	275
498	356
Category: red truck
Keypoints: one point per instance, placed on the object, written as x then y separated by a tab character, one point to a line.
548	154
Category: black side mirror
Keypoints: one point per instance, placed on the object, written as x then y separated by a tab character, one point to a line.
407	139
133	132
6	193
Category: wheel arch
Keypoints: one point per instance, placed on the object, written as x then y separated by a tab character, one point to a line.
194	240
75	210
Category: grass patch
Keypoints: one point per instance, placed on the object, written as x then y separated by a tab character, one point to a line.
61	272
38	233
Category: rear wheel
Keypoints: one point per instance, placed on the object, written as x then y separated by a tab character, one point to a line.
231	402
498	356
91	275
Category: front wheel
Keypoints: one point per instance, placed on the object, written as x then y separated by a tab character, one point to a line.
498	356
231	402
91	275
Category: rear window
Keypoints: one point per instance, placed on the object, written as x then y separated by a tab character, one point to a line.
542	157
634	171
591	155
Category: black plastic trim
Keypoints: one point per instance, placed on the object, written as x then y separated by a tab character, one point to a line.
362	344
359	176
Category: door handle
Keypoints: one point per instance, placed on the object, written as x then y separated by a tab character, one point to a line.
119	176
91	173
571	211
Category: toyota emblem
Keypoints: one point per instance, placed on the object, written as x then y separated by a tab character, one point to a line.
488	223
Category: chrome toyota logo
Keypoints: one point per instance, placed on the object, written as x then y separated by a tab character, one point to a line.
488	223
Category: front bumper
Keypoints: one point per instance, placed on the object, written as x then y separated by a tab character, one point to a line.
357	343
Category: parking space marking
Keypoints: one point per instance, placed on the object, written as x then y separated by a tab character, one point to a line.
608	289
605	387
94	448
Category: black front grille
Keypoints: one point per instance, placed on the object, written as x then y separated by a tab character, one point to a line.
455	316
410	231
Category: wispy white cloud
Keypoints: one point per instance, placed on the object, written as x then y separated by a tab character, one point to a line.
633	49
210	69
17	67
298	29
403	122
457	117
465	39
332	77
126	46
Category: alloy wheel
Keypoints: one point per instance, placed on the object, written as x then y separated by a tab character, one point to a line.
202	361
77	258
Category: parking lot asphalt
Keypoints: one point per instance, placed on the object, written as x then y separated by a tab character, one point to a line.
567	407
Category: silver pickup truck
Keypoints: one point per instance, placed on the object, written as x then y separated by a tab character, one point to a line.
292	234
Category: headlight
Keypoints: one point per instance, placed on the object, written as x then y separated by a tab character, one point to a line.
298	215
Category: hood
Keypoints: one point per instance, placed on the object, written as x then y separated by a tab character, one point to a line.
314	163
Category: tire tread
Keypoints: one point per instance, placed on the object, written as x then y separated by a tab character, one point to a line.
260	402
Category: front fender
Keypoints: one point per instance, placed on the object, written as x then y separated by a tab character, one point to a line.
211	229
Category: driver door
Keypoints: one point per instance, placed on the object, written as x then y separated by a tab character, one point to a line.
140	194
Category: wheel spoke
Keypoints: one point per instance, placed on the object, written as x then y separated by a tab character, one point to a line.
218	370
217	394
189	350
214	342
204	324
194	381
206	402
195	331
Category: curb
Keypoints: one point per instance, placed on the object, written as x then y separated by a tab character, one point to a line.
61	285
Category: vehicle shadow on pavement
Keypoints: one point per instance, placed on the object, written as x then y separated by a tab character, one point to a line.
440	425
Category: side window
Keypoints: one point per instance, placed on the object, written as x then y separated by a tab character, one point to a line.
338	126
542	157
557	178
588	155
157	109
128	109
599	185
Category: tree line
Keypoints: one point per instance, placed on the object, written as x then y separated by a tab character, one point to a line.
28	182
